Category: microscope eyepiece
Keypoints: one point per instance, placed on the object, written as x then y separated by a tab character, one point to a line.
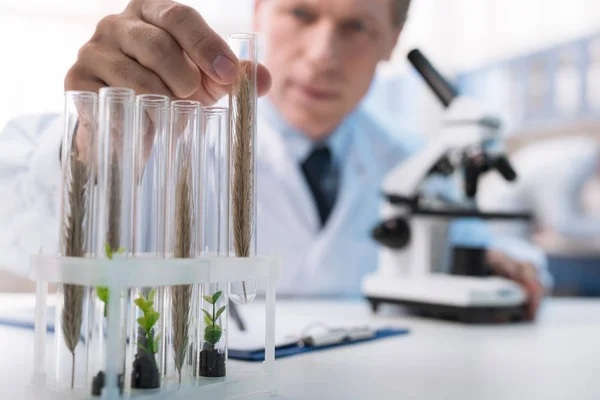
440	86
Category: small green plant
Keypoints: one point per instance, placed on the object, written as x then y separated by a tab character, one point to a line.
102	292
110	252
147	322
213	332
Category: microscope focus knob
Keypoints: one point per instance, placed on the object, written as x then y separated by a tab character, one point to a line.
393	233
472	172
505	168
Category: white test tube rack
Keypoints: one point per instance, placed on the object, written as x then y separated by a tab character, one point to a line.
125	273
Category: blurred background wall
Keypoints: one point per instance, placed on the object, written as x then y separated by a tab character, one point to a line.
536	63
39	41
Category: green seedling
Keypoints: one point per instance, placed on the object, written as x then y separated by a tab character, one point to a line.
213	332
111	252
102	292
147	322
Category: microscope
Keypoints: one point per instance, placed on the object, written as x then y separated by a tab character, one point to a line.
408	273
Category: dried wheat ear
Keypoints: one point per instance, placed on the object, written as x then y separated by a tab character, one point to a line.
242	183
73	242
181	295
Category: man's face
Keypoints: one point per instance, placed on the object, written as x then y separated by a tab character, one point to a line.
322	55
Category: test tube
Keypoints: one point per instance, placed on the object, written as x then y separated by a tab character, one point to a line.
183	192
114	237
146	323
150	162
215	178
77	155
212	338
243	105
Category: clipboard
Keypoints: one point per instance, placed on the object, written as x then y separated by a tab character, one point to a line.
298	347
284	348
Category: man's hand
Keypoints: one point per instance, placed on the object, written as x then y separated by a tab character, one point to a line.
159	47
523	273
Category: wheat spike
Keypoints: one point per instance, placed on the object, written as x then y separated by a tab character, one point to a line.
181	295
242	185
114	206
73	235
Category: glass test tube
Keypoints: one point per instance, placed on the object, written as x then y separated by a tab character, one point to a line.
77	155
213	310
183	193
215	178
114	234
146	354
243	105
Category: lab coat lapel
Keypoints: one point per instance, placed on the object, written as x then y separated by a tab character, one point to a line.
290	179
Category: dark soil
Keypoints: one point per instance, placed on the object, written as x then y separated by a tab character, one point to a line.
99	382
212	363
145	373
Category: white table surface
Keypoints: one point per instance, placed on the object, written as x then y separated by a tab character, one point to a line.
557	357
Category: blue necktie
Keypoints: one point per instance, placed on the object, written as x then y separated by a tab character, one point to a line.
322	178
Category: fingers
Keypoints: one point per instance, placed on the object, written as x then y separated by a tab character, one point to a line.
501	264
116	69
523	273
206	48
156	50
528	278
160	47
77	79
215	90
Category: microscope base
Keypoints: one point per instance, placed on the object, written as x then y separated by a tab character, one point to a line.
448	297
467	315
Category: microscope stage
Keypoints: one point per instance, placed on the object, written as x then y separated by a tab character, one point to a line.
462	298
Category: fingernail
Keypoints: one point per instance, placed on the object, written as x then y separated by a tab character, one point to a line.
224	67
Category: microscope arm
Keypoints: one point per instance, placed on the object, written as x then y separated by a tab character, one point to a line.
404	180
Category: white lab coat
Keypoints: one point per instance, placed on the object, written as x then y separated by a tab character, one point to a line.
30	178
328	262
333	260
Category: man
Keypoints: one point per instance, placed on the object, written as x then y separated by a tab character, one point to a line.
321	159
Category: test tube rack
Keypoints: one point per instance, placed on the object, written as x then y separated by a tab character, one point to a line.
123	273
